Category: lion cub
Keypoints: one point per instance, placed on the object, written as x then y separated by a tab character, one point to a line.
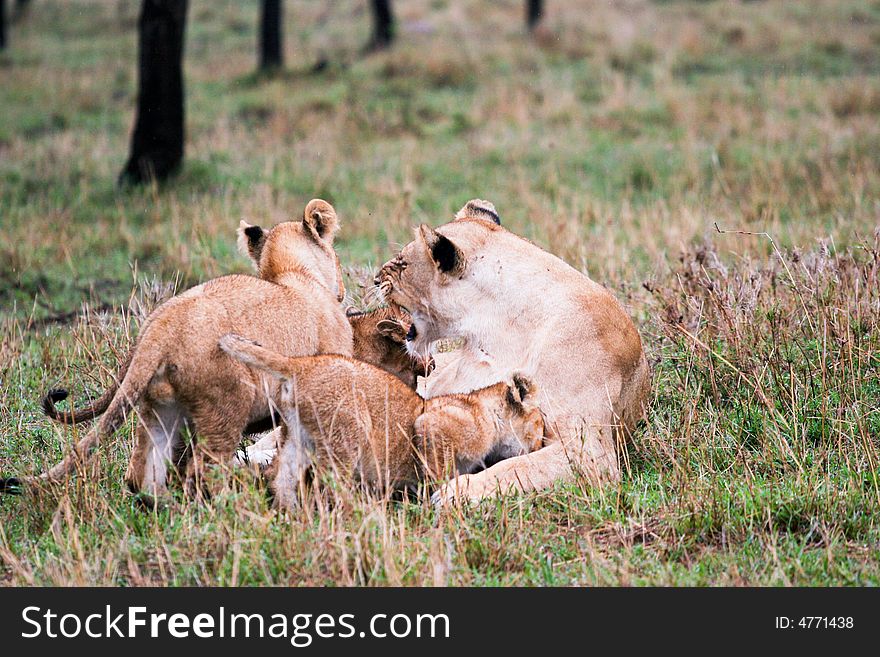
363	422
380	338
178	377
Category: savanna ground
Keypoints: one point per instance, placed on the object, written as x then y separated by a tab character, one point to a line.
617	137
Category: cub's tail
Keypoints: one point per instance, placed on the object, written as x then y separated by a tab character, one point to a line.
253	354
139	370
11	486
89	413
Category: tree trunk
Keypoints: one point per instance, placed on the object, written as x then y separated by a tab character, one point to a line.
534	12
2	24
383	25
157	140
21	7
271	49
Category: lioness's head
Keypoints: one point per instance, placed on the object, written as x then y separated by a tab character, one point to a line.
380	338
442	273
305	245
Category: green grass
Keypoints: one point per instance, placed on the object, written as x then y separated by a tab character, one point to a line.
615	138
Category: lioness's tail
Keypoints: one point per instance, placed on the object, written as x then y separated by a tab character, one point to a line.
251	353
89	413
137	377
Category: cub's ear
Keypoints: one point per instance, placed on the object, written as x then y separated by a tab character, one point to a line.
443	252
250	241
392	329
521	392
399	314
320	219
479	209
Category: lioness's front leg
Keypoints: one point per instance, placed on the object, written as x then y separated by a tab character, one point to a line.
594	457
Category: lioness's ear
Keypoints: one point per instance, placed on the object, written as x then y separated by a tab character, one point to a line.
320	219
250	241
520	392
443	252
479	209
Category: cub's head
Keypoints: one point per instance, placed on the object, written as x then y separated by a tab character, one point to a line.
439	275
305	245
520	423
380	338
516	427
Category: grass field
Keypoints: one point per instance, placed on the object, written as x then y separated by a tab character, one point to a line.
618	137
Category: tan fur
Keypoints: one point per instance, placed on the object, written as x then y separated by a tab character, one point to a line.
364	423
379	339
516	307
178	376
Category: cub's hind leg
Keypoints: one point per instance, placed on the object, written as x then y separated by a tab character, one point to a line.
291	463
217	435
218	415
158	441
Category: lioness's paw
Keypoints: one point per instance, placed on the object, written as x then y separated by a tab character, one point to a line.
452	492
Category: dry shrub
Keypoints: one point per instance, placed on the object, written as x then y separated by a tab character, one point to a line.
797	330
853	98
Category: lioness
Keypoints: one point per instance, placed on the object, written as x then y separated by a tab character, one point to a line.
179	376
516	307
361	421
